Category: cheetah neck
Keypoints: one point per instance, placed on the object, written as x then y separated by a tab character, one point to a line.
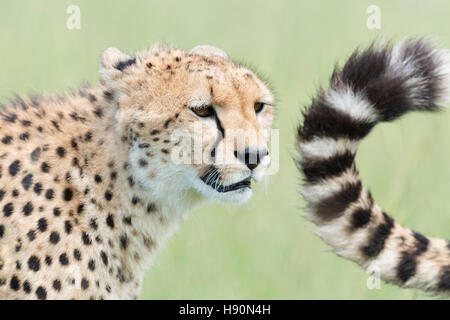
146	210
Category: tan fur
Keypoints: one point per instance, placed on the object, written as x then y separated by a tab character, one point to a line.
116	162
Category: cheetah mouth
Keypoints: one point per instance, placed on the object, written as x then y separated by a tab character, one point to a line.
212	178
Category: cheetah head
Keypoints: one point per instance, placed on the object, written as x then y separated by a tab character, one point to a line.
194	121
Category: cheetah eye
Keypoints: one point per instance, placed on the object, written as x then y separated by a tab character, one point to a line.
203	112
259	106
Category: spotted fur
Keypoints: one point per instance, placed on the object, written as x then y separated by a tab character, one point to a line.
88	189
376	85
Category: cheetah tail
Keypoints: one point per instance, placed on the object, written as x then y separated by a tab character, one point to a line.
378	84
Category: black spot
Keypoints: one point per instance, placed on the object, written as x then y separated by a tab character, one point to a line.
7	139
166	124
57	285
36	154
110	221
27	181
108	195
14	167
143	163
135	200
86	239
124	241
61	152
8	209
34	263
67	194
37	188
127	220
18	245
14	284
31	235
63	259
26	123
55	124
41	293
27	208
88	136
77	254
48	260
151	207
56	212
80	208
2	230
154	132
45	167
379	237
50	194
98	178
27	287
104	257
68	226
54	237
42	224
93	224
91	265
131	181
24	136
84	284
98	112
74	144
2	194
144	145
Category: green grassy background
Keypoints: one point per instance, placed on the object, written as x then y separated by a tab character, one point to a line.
263	249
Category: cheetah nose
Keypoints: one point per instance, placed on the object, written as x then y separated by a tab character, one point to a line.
251	157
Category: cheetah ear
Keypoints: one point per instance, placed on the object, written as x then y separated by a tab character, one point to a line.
114	61
210	51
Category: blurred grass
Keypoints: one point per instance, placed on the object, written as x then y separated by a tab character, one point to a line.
263	249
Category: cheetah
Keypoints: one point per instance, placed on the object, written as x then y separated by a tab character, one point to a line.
90	184
379	84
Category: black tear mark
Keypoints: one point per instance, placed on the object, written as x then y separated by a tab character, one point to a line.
220	136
